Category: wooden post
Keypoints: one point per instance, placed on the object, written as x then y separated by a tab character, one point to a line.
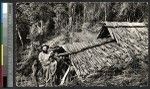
65	75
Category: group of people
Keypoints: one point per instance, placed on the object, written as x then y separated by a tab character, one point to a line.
49	64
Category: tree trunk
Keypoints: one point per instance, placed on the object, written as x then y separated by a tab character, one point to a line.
84	14
20	37
105	11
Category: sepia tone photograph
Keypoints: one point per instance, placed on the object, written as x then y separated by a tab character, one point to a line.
81	44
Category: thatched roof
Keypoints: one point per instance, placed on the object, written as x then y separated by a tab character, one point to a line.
120	44
122	31
90	57
93	59
133	36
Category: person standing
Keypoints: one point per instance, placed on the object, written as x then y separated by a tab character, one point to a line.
49	64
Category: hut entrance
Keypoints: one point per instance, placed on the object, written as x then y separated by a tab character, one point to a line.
64	73
104	33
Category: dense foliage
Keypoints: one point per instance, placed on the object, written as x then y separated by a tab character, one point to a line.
37	23
54	18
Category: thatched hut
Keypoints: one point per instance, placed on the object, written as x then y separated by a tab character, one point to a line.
117	44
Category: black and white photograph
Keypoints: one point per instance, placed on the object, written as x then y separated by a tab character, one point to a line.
81	44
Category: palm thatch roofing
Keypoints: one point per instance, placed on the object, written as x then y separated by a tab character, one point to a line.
125	40
132	36
116	45
91	60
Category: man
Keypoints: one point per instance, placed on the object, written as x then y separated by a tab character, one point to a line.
49	64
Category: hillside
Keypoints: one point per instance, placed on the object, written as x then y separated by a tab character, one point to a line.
73	29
